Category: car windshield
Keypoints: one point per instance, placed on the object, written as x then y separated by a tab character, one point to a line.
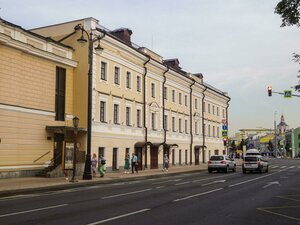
250	159
216	158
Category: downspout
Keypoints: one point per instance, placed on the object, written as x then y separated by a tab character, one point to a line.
144	99
191	121
203	128
226	147
163	104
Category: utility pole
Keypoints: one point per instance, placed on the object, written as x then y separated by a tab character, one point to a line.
275	132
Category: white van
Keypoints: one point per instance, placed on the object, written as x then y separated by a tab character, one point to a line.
255	163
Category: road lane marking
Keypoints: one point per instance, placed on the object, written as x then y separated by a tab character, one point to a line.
282	167
159	187
118	217
268	210
128	193
257	178
33	210
271	183
166	181
196	195
210	178
273	167
214	182
187	182
291	167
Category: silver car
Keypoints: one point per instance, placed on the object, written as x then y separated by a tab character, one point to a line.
255	163
221	163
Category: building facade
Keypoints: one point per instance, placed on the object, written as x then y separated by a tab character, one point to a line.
142	103
36	92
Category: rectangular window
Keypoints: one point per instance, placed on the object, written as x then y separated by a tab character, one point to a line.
138	117
218	132
208	131
196	103
214	131
103	71
173	95
186	126
223	112
299	137
101	152
166	122
117	75
128	80
204	129
60	93
213	109
165	93
217	111
116	114
128	116
196	127
204	107
153	90
153	121
138	83
179	97
180	125
102	111
208	108
173	124
185	100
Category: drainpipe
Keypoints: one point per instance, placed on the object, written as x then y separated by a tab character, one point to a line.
144	99
191	121
226	147
203	128
163	86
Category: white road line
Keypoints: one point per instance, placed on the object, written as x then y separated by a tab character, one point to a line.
298	167
291	167
33	210
247	181
214	182
210	178
118	217
128	193
159	187
187	182
166	181
283	167
273	167
196	195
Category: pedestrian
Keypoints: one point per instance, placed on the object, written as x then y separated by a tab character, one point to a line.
134	163
101	166
166	163
94	164
127	163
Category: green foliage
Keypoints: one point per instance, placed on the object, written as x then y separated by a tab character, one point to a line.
289	12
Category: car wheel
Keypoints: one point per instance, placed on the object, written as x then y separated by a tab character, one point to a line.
210	170
226	169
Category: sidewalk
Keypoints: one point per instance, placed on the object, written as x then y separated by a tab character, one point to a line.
30	184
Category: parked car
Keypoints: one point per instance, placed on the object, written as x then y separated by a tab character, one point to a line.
255	163
221	163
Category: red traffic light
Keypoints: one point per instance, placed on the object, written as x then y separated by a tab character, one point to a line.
225	141
270	91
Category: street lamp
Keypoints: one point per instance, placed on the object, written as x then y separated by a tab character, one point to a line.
87	175
75	124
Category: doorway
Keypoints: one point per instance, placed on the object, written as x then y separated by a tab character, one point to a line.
154	157
196	156
58	148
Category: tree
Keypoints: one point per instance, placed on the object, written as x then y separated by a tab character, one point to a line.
289	12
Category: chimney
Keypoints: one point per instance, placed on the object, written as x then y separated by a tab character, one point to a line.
174	63
124	34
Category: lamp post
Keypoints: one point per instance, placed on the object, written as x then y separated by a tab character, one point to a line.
87	175
75	124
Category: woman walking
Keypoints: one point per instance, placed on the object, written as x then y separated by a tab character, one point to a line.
94	164
101	166
127	163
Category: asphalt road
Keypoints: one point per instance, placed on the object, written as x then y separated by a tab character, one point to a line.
193	198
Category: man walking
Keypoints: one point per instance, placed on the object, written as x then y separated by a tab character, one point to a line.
134	163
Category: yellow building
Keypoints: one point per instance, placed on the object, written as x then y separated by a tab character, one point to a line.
36	92
142	103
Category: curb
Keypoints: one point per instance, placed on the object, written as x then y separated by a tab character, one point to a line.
82	183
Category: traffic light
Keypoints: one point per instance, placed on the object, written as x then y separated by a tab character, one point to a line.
270	90
225	141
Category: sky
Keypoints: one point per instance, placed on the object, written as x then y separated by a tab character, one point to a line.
238	45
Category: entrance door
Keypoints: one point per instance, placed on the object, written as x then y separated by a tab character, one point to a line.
154	158
139	154
58	148
115	159
196	156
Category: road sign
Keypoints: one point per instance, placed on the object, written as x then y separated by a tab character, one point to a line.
224	133
224	127
287	93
